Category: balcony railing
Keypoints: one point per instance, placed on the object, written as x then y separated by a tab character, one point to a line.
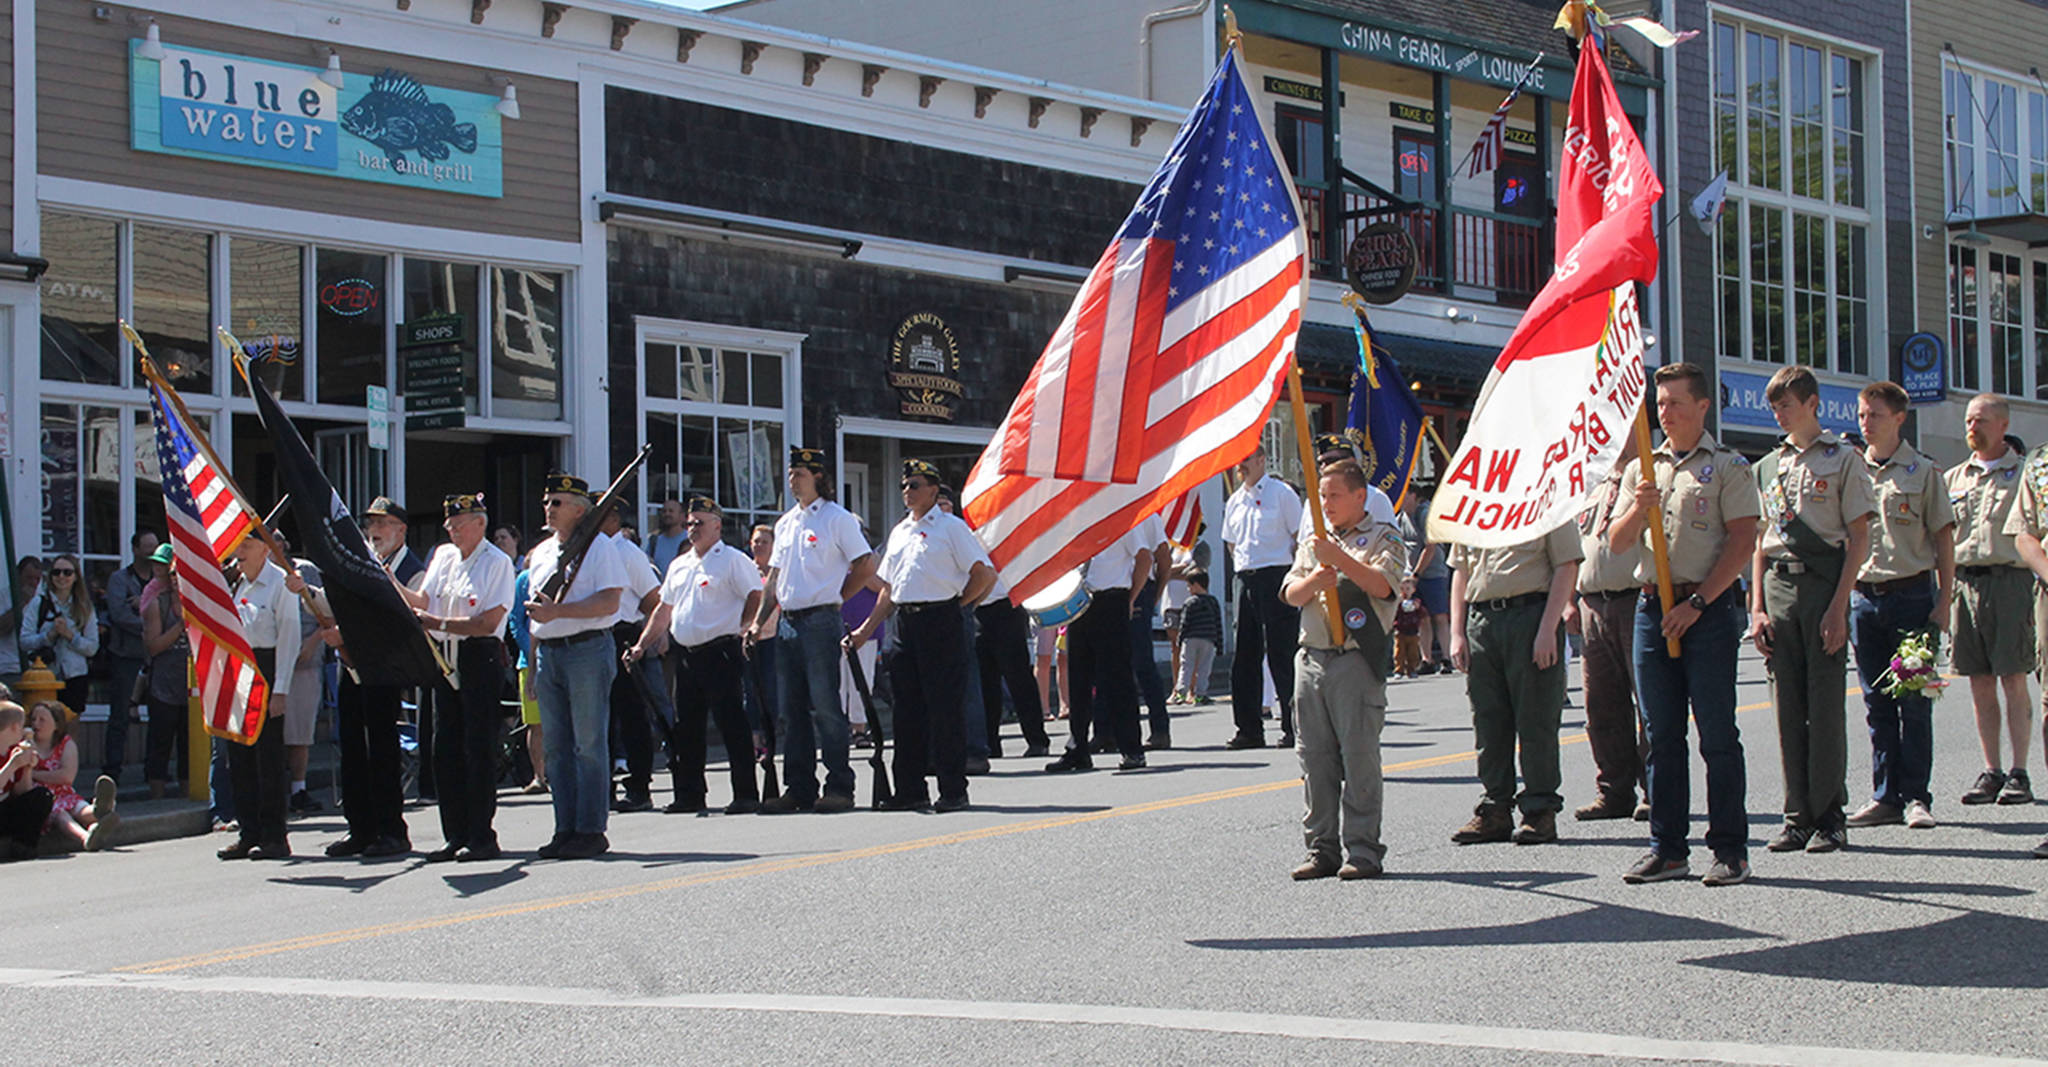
1494	257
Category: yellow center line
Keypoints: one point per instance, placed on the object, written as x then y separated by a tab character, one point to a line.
774	866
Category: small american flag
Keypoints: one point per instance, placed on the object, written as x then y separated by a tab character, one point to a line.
207	520
1184	519
1486	151
1167	365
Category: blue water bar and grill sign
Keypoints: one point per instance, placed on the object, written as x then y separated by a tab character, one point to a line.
1744	404
385	127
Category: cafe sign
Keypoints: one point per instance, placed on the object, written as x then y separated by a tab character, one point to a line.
385	128
924	366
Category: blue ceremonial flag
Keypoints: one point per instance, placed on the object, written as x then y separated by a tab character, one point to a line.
1385	424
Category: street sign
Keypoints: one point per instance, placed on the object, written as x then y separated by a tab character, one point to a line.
436	420
377	399
1923	370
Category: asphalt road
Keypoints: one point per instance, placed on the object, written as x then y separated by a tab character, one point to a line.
1126	918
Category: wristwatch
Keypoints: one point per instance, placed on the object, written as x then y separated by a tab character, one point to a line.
1698	602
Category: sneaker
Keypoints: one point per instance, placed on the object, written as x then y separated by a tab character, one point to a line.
1202	702
1653	867
1986	789
1489	823
1538	828
1829	840
1790	839
1726	870
1877	813
2017	789
1918	816
1133	762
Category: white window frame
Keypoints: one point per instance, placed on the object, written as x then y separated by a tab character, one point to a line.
2026	150
649	330
1742	198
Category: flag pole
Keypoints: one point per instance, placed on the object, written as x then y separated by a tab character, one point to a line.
1311	489
1660	551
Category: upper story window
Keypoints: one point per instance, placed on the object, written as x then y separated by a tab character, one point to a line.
1995	144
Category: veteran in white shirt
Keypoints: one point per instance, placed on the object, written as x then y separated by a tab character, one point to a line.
1261	526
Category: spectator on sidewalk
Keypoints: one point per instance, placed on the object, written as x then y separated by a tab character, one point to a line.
124	647
49	730
28	574
60	624
169	657
24	803
1201	632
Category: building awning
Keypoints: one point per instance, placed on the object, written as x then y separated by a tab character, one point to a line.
2029	228
1430	360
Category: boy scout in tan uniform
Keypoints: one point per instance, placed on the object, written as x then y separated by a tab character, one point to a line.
1340	688
1817	502
1607	619
2029	522
1705	495
1994	614
1904	588
1507	612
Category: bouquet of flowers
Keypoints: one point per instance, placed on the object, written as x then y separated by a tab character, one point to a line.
1913	670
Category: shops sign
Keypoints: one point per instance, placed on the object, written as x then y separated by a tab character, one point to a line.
388	128
924	366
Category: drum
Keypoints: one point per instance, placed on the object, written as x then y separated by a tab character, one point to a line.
1059	603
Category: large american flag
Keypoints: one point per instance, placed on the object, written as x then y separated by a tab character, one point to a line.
1167	364
207	520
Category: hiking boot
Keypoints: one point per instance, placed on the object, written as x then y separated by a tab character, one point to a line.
1490	823
1606	808
1653	867
1986	789
1877	813
1359	867
1790	839
1919	816
1315	866
1538	828
2017	789
1727	870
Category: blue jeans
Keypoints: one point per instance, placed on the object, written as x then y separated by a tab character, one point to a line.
572	683
970	701
813	720
1703	679
1901	728
219	796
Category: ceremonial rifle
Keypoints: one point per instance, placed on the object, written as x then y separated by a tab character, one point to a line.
770	787
882	795
580	539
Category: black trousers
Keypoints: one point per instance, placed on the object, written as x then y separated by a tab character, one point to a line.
468	733
166	742
1003	649
1144	665
928	674
708	685
629	717
22	816
1268	626
372	775
1099	657
257	773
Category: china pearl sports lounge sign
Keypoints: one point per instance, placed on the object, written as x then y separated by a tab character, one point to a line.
384	128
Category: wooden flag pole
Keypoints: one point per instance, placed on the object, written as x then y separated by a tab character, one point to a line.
1311	488
1659	550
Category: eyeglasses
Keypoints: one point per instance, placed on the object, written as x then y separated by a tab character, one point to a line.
915	485
694	523
552	503
62	572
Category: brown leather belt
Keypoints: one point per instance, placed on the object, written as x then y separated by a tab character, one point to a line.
1679	591
1910	583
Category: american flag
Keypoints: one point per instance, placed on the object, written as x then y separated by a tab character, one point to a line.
1184	519
207	520
1167	365
1486	151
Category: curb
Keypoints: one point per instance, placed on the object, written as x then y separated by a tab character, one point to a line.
142	821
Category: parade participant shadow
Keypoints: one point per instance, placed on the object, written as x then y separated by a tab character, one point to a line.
362	884
1599	924
470	885
673	859
1172	768
1038	809
2012	829
1406	744
1433	779
1973	950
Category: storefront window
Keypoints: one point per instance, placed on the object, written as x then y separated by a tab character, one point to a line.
526	344
349	317
266	283
435	289
81	457
715	416
80	306
173	278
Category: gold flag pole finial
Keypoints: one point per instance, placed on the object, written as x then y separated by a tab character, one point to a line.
237	355
1232	39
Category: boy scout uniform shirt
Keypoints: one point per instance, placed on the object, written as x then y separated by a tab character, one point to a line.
1605	570
1379	546
2030	515
1518	570
1827	487
1709	487
1912	505
1982	495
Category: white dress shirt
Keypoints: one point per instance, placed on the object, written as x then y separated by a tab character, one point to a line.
600	571
814	547
641	578
1261	523
1111	567
708	594
270	619
930	558
465	587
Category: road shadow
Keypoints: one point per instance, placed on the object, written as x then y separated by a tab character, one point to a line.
1405	744
673	859
1174	768
480	882
1039	809
1974	950
1599	924
353	883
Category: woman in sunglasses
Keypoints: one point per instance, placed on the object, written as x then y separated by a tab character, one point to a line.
61	625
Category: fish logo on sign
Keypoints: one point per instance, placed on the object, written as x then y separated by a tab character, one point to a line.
397	116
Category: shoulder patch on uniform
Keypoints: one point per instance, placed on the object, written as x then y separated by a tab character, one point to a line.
1354	618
